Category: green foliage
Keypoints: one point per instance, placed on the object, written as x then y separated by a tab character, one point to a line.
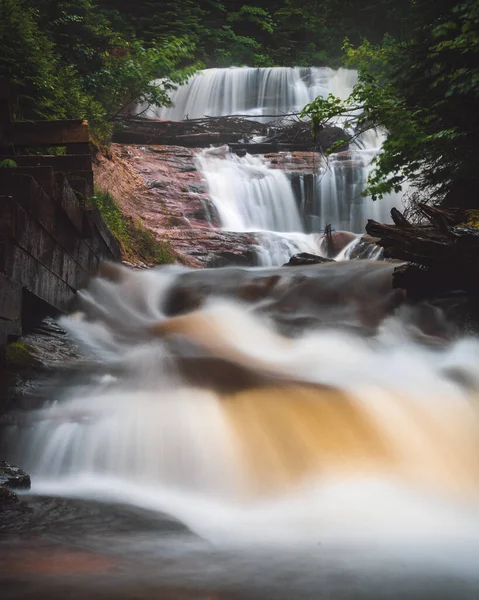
424	93
135	240
8	163
18	355
93	58
65	60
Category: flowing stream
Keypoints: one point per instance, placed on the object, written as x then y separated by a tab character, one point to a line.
290	210
325	434
309	430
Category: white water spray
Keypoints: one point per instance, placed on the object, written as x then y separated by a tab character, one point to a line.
245	467
253	91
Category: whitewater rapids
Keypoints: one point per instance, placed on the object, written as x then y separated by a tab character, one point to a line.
245	430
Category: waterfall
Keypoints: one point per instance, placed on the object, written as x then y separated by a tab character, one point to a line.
247	193
250	196
253	91
334	194
216	418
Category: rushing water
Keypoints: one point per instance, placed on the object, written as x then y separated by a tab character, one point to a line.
254	91
295	419
313	434
251	196
330	434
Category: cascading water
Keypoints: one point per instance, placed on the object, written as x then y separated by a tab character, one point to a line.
253	91
248	194
243	433
334	194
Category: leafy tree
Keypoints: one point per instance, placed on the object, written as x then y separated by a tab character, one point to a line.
28	60
65	61
424	92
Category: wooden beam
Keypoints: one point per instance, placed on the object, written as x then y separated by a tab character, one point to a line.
66	162
45	133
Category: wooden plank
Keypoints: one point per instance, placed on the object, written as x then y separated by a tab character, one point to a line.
31	236
71	266
7	218
81	183
66	197
98	228
66	162
54	219
25	270
10	299
83	148
43	175
45	133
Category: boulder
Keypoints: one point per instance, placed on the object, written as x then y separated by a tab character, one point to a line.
7	498
12	477
329	136
305	258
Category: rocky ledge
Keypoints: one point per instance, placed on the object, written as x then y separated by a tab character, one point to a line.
11	478
162	186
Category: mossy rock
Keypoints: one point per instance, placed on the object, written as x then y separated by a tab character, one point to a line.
19	355
473	218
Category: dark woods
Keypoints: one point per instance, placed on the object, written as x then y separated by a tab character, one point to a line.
418	62
87	59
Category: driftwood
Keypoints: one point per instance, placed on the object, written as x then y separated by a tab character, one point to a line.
189	132
442	254
284	133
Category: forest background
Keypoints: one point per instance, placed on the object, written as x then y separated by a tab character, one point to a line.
418	62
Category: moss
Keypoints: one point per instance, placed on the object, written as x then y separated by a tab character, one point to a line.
473	219
135	240
19	355
8	163
147	245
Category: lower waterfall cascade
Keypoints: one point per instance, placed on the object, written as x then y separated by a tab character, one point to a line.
327	433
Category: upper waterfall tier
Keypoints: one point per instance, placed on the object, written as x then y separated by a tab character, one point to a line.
255	92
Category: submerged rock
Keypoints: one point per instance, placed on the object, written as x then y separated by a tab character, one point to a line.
305	258
70	519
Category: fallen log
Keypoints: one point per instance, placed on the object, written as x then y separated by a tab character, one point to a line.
442	254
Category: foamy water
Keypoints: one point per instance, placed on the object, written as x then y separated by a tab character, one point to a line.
345	437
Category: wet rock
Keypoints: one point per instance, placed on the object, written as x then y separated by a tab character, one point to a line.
305	258
330	136
69	519
7	498
158	184
12	477
196	188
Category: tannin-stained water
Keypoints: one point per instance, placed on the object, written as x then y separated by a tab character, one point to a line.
211	411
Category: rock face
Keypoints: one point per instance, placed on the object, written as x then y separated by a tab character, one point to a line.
161	186
330	136
12	477
304	258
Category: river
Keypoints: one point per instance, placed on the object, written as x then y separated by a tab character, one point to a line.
251	433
